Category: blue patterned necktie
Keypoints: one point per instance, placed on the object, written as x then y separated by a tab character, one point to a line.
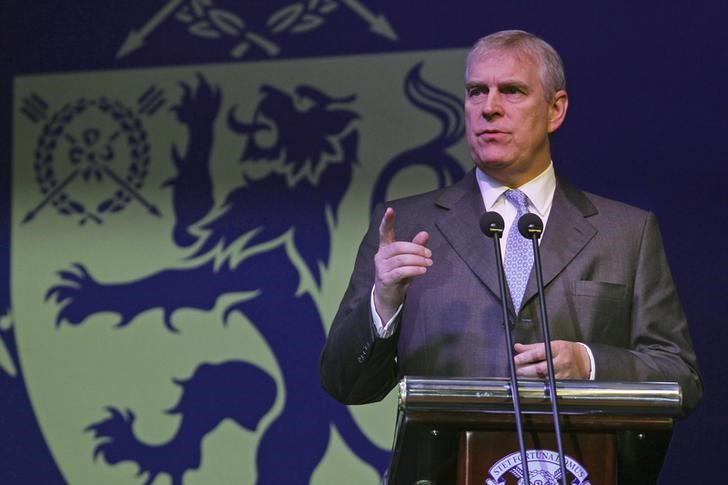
519	253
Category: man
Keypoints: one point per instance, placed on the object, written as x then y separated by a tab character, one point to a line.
426	302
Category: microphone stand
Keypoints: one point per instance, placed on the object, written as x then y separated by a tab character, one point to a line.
491	224
530	226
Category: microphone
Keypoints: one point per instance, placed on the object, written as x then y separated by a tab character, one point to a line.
531	227
491	224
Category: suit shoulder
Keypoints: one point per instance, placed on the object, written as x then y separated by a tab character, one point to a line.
416	200
605	212
611	207
444	197
622	218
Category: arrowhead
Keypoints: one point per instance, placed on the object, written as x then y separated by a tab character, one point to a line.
6	360
154	211
381	26
132	42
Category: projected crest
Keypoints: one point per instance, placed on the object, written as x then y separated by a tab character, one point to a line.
197	228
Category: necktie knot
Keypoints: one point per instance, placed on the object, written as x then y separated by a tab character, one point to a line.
518	199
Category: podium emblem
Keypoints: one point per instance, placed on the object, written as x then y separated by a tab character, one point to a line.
543	469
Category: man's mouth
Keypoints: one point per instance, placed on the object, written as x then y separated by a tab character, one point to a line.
492	133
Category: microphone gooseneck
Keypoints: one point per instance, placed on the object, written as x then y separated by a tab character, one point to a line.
492	225
531	227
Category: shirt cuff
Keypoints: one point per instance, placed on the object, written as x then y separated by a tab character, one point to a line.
591	360
383	330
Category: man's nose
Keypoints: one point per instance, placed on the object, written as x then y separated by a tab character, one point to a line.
492	106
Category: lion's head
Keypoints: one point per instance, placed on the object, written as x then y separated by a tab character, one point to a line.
296	135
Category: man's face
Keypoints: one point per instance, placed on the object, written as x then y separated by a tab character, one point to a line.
508	118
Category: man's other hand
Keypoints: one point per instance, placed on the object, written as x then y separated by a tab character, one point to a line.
571	360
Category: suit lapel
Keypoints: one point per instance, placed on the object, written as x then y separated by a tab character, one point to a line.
567	232
460	227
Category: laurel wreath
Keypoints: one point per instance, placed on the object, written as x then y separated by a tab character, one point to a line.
45	173
131	126
206	21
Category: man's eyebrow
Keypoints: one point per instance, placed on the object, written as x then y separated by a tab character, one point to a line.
508	83
513	84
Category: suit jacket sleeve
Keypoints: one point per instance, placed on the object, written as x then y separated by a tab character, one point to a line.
660	345
356	365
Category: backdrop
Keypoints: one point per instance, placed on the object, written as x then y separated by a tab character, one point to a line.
184	183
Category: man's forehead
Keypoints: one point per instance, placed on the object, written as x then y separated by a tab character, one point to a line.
510	62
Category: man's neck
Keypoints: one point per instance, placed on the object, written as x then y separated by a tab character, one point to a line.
513	181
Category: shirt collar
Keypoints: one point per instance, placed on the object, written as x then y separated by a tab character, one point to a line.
540	190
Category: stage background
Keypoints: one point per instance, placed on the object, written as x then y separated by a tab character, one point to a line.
184	183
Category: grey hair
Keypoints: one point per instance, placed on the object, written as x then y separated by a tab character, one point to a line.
553	77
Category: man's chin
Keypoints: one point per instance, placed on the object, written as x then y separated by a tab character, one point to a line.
495	165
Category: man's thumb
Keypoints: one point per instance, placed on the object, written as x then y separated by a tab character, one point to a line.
421	238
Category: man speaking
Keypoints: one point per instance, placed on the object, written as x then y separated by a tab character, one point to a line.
424	298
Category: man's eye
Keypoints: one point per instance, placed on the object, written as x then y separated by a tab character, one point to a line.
474	92
511	90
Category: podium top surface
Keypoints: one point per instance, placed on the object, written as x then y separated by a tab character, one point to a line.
576	397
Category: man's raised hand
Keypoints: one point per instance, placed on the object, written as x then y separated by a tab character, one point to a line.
396	263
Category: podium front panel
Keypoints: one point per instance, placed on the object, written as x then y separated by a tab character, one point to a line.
463	431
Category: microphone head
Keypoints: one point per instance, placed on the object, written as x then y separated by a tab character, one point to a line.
530	226
491	223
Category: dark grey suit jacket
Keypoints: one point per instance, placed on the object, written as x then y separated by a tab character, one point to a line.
607	284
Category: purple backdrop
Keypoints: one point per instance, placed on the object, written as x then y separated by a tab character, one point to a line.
648	124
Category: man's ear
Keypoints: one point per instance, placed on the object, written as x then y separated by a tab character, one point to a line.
557	110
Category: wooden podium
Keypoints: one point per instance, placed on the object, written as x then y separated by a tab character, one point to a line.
462	431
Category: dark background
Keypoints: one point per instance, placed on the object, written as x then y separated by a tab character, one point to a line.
647	124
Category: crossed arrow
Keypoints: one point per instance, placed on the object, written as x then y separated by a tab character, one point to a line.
378	24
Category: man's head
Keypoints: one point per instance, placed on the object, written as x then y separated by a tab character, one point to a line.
514	99
551	68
